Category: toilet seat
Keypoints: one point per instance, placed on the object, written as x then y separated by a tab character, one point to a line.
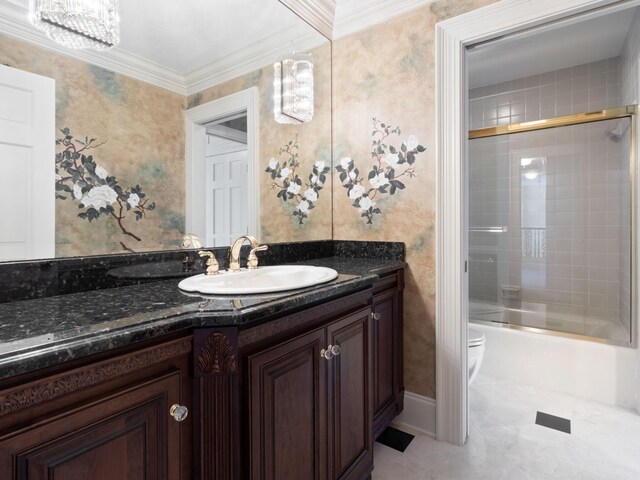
484	308
475	352
476	337
486	312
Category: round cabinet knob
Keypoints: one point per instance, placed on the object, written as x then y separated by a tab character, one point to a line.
335	350
178	412
328	353
375	316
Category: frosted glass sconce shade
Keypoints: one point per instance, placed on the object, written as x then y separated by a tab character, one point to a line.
77	23
293	89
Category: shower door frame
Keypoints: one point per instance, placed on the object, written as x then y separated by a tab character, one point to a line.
452	37
630	112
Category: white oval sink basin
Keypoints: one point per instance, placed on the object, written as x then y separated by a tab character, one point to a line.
262	280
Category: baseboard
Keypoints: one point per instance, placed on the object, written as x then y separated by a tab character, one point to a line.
419	414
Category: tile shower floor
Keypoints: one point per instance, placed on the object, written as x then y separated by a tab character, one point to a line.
505	442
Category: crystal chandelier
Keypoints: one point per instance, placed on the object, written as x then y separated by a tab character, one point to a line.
77	23
293	89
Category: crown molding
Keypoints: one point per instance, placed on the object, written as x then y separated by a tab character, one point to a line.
235	65
352	16
13	22
320	14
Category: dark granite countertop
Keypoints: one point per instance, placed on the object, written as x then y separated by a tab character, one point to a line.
42	332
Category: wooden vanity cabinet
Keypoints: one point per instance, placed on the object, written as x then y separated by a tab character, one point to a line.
102	420
388	384
310	415
349	391
266	401
288	410
275	406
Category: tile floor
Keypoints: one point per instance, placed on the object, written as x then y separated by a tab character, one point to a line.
505	443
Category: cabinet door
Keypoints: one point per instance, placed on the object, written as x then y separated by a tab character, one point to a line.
126	436
350	417
288	410
384	344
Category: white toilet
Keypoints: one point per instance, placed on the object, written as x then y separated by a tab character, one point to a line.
476	352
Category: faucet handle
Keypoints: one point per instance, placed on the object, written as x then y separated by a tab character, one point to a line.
212	263
191	240
252	261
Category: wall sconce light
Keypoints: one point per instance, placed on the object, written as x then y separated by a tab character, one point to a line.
77	24
293	89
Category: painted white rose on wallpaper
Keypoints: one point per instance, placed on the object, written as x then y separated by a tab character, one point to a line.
412	142
366	204
303	206
356	192
377	181
294	188
391	159
101	172
77	190
389	164
133	200
98	194
284	173
288	180
311	195
99	197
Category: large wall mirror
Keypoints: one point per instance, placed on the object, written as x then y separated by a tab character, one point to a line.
173	130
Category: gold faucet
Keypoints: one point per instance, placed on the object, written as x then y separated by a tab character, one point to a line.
252	261
212	263
234	253
190	240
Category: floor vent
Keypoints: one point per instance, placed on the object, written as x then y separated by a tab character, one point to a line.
394	438
551	421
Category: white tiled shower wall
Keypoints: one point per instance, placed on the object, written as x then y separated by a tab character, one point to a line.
580	275
578	89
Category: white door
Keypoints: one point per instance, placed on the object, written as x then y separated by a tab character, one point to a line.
27	165
226	191
195	154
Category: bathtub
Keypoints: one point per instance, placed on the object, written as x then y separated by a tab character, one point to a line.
601	372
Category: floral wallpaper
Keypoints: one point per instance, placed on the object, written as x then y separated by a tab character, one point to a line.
289	182
389	165
298	211
388	72
133	134
79	177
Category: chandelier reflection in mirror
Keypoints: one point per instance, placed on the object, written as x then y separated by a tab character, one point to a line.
293	89
77	24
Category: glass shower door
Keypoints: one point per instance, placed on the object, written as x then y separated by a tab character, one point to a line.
550	229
